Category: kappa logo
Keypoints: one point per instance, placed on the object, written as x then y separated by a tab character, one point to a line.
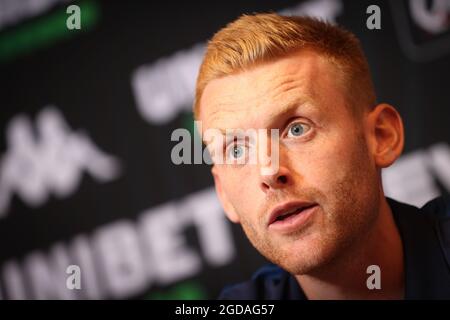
51	162
423	27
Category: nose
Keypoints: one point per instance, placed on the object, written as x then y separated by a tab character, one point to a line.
279	180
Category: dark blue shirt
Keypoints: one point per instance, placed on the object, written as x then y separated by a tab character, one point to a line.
425	235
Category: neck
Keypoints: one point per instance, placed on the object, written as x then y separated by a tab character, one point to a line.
347	276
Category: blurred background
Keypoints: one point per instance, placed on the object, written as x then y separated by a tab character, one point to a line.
86	117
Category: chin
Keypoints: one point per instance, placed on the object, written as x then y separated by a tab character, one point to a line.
306	257
303	265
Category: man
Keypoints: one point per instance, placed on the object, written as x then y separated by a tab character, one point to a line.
321	217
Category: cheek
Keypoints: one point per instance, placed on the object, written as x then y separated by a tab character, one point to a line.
332	160
239	186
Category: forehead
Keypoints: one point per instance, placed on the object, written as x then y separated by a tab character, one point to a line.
248	98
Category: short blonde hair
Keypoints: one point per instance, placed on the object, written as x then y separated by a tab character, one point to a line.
263	37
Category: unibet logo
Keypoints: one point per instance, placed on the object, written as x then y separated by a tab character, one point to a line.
51	162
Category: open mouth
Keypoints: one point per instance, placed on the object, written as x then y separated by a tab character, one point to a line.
291	213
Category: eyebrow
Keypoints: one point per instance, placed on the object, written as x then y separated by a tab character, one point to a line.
234	133
287	108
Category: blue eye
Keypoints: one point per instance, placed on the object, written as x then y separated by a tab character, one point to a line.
298	129
236	151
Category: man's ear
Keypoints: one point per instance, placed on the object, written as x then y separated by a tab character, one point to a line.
386	134
227	206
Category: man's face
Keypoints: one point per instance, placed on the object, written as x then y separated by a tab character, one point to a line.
324	160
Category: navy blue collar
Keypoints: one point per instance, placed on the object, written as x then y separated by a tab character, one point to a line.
427	275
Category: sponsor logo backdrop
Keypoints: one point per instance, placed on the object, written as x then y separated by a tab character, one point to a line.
86	119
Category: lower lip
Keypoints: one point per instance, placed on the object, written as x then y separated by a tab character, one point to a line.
294	222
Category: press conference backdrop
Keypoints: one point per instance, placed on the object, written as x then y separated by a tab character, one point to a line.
86	118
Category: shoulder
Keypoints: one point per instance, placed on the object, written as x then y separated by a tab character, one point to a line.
438	207
436	210
434	214
268	282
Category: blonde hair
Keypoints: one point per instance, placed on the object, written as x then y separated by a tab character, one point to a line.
263	37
